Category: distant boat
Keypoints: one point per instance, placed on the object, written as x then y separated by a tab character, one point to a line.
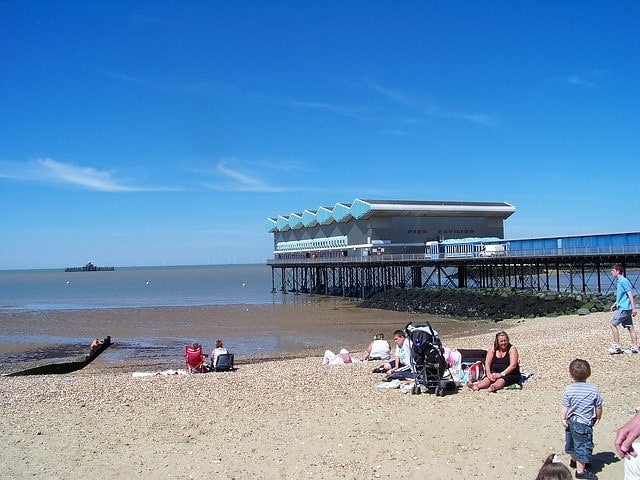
89	267
67	367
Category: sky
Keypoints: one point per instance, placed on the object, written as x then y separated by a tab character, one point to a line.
166	132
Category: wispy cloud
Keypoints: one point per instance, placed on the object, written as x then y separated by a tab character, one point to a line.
393	94
589	80
238	180
580	81
419	107
400	108
355	112
480	118
51	171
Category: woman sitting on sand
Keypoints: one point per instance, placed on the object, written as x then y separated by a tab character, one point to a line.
217	351
379	349
501	364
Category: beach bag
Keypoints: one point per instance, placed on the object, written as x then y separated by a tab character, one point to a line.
475	372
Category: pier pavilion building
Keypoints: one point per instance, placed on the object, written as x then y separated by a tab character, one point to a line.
370	245
374	227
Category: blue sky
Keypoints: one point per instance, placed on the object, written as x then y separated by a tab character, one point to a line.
166	132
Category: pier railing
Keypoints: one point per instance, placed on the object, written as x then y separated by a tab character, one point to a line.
427	257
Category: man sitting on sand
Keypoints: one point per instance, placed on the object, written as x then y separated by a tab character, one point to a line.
402	359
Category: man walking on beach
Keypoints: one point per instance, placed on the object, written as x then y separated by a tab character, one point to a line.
625	310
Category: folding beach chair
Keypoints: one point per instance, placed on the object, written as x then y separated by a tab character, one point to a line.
224	363
194	359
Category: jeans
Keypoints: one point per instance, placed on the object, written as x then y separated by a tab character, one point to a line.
578	440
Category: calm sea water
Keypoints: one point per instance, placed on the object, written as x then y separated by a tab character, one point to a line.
52	314
136	287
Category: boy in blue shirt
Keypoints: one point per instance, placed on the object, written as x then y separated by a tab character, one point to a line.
581	410
625	310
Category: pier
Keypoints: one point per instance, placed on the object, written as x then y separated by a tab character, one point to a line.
575	264
89	267
357	249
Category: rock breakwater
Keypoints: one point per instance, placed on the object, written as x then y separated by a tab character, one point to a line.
492	303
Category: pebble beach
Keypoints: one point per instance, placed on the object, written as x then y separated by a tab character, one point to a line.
294	418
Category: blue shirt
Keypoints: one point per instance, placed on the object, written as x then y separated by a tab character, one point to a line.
622	299
581	400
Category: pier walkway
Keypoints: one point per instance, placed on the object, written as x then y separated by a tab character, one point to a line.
564	264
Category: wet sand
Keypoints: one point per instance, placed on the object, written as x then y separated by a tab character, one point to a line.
157	336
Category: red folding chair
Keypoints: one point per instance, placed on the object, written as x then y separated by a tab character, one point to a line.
194	359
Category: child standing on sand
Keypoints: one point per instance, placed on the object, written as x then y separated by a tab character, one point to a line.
581	410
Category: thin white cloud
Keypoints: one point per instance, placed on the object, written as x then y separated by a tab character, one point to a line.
236	180
580	81
480	118
405	100
391	93
51	171
589	80
358	113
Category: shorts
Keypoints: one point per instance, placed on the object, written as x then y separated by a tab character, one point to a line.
622	317
578	441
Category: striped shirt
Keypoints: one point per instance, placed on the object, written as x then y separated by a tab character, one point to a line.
581	400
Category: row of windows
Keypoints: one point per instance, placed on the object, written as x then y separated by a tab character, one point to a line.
313	244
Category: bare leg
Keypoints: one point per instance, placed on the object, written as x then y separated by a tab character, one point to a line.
616	334
634	336
580	466
497	385
484	383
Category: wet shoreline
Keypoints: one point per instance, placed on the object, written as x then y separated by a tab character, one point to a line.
156	336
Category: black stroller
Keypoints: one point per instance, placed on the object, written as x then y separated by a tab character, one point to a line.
430	369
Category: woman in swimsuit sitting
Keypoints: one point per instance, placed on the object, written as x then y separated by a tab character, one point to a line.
501	364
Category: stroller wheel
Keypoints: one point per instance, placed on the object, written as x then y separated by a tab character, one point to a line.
439	392
416	390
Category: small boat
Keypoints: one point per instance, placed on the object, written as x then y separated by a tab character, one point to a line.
89	267
66	367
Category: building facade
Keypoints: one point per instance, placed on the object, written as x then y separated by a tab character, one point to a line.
373	227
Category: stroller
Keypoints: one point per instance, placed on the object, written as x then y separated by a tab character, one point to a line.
430	369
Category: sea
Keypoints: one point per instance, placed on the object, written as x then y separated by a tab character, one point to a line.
55	289
51	316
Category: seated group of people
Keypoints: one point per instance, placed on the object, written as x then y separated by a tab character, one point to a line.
196	360
501	362
379	349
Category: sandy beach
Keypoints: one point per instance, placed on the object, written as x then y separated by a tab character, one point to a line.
293	418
